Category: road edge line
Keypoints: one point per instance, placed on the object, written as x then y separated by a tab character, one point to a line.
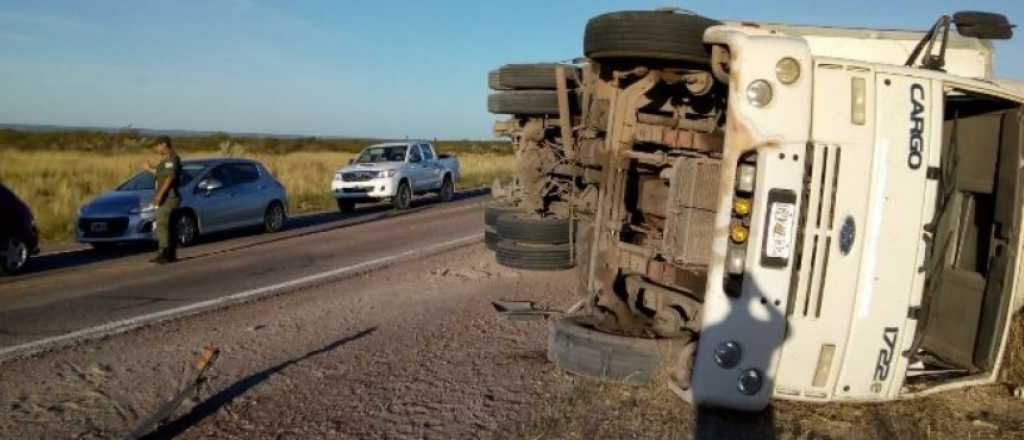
125	325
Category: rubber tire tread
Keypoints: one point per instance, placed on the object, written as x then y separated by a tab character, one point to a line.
492	212
515	255
529	228
540	76
527	102
583	351
659	35
490	238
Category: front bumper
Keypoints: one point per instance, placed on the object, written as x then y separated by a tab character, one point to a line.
380	188
111	229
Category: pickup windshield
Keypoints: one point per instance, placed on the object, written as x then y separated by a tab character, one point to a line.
383	154
145	181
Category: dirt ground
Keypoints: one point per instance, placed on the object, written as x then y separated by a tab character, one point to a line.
413	352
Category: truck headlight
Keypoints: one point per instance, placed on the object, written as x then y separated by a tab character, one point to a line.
339	177
735	260
388	173
750	382
728	354
746	174
759	93
787	70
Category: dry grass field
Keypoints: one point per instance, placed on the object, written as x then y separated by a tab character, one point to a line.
56	183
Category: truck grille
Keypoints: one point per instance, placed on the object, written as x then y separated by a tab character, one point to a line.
359	176
816	238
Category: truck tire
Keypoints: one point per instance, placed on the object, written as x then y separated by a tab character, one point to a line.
447	190
527	102
490	238
579	349
662	35
533	256
530	228
529	76
492	212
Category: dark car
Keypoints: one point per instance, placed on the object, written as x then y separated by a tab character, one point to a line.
18	235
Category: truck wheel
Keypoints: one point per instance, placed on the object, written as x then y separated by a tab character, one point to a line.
492	212
403	197
530	228
490	238
447	190
345	205
577	348
529	76
532	256
14	254
663	35
527	102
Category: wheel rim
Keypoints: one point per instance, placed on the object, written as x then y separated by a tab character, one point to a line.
186	230
15	254
275	218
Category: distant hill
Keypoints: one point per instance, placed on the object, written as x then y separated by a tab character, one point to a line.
41	128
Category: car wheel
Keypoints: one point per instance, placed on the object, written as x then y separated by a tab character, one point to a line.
15	256
529	256
346	205
186	229
663	35
403	197
273	218
576	347
447	190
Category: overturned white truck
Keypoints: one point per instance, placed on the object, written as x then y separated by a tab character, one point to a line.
772	211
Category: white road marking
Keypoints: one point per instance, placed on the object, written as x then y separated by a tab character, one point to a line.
124	325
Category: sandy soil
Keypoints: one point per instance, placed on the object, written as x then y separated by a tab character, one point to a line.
414	352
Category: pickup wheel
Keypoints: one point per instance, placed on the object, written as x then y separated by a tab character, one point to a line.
447	190
403	196
345	205
576	347
530	228
663	35
528	102
529	76
531	256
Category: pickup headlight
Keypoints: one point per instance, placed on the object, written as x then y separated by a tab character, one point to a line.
339	177
388	173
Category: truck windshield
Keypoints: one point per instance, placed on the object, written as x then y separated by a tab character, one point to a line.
383	154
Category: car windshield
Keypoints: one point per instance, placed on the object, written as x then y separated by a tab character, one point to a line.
145	181
395	153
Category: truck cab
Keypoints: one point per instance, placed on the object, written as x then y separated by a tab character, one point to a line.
880	250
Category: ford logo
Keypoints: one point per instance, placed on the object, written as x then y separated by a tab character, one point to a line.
847	234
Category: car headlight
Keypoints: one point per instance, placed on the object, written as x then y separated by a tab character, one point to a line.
759	93
787	70
388	173
143	209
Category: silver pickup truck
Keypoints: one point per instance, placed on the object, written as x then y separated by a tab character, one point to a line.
395	171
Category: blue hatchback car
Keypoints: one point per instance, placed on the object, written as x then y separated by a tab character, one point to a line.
216	195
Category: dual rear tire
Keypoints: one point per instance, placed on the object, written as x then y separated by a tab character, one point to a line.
525	241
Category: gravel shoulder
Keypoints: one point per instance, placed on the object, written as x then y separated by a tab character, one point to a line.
414	352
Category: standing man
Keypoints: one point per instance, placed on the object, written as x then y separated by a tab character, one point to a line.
166	199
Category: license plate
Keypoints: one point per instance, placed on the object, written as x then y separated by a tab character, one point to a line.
98	227
781	219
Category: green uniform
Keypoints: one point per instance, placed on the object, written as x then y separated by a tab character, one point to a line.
168	168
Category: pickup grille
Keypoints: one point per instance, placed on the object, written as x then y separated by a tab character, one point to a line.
359	176
816	238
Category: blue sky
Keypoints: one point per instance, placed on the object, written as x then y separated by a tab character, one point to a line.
356	68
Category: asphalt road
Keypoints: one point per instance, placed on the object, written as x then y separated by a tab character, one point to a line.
78	289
